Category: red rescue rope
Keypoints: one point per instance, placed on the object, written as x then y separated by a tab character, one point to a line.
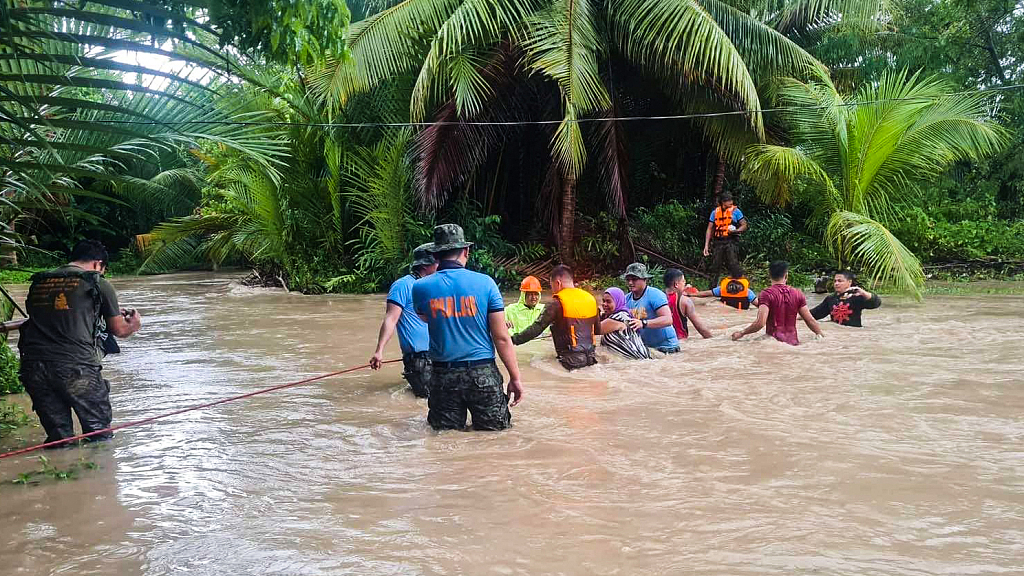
183	410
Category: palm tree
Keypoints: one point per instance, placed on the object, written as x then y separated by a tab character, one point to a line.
857	160
73	124
473	59
340	201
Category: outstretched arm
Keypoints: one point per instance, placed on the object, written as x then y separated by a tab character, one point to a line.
823	309
703	294
387	330
688	310
757	325
507	353
551	311
805	313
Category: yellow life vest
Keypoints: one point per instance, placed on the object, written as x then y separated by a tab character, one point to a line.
575	330
723	219
735	292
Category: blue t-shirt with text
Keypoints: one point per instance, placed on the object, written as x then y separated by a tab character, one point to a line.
412	331
646	308
456	303
737	215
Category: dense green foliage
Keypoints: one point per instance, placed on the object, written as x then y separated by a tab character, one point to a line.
271	139
12	417
9	382
857	165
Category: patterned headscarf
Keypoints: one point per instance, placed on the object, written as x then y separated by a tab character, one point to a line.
619	298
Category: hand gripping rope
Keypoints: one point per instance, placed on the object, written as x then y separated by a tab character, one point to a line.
183	410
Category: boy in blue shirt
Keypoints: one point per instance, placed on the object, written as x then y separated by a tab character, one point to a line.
465	316
724	227
412	331
652	316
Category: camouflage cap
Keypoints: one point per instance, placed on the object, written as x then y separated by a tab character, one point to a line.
449	237
421	256
636	269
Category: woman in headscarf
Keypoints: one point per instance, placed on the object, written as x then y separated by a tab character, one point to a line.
616	333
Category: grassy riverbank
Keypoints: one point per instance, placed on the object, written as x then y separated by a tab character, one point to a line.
1003	287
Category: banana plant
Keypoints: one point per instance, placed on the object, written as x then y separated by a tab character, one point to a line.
856	159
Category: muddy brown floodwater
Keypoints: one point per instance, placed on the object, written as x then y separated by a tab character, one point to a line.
897	449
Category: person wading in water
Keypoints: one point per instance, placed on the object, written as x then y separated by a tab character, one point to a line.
465	317
778	307
616	333
846	304
525	312
733	291
649	306
722	237
575	318
61	343
684	312
412	331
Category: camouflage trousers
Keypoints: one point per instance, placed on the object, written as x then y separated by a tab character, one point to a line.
478	389
418	369
57	388
724	254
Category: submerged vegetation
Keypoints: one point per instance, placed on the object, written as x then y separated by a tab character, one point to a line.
49	470
280	136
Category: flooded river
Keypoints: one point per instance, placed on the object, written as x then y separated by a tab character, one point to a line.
897	449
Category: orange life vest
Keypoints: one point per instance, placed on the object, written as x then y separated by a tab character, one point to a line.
575	330
735	292
723	219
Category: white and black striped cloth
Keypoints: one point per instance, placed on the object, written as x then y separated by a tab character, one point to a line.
627	341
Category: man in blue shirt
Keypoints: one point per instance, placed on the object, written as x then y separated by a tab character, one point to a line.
465	316
412	330
652	316
724	227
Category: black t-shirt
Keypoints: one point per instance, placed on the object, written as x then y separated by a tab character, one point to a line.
63	318
845	312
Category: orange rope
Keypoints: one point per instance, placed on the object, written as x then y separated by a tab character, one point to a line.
183	410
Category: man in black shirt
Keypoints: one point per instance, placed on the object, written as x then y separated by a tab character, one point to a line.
846	304
61	344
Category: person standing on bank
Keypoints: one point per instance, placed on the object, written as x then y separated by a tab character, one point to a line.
846	304
61	343
412	331
652	316
778	307
722	237
575	318
465	318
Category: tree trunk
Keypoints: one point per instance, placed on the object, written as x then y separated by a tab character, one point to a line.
996	62
628	254
719	180
566	242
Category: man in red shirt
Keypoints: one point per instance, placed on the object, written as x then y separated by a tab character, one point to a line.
778	308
